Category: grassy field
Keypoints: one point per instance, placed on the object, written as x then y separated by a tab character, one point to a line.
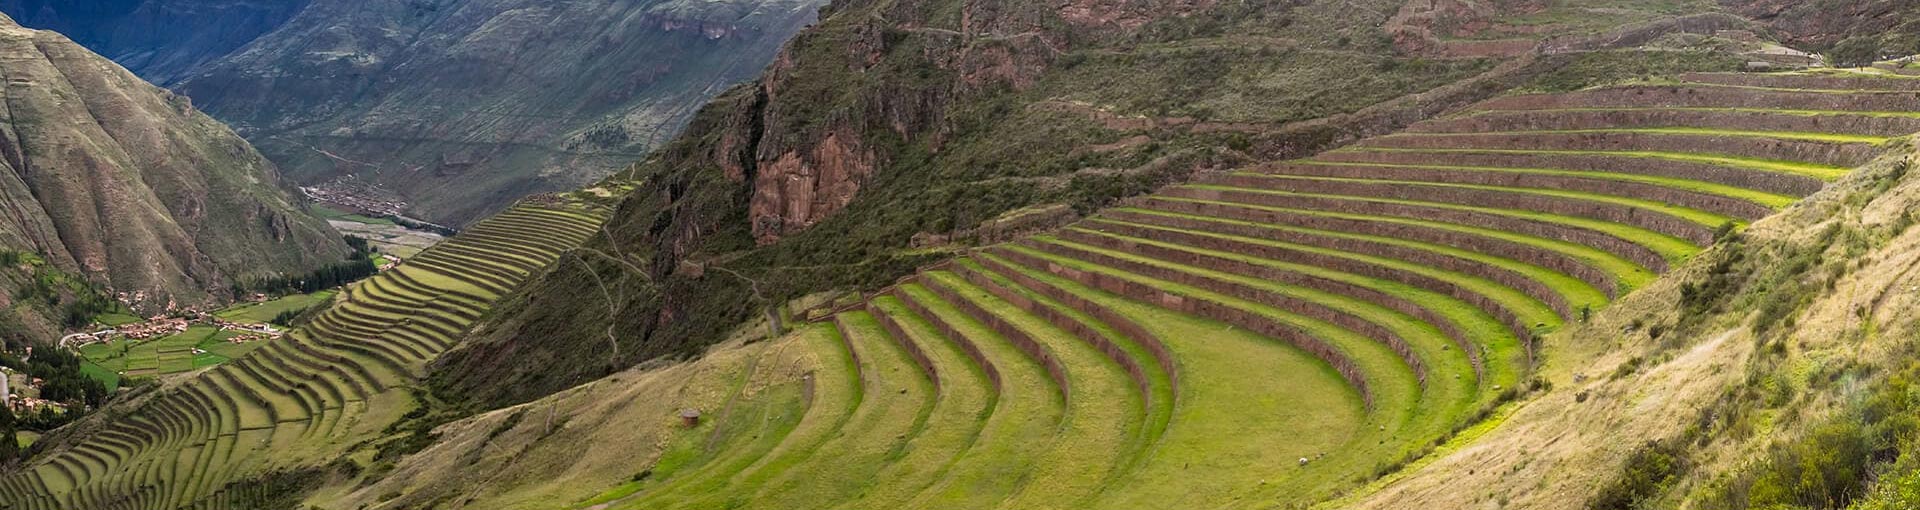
264	312
115	319
1220	410
165	355
330	213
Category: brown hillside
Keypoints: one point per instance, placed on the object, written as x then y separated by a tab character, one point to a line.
130	185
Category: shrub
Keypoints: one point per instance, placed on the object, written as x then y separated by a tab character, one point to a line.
1856	51
1646	475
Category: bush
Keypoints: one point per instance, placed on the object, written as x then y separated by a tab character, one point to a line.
1646	475
1835	464
1856	51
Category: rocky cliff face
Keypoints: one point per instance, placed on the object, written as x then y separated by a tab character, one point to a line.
1821	23
456	106
130	185
890	121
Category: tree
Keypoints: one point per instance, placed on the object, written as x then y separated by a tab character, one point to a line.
1856	51
9	442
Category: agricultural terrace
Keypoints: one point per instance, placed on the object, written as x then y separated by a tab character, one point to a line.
203	342
1281	333
300	400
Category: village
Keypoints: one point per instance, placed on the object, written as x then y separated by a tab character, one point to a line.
160	326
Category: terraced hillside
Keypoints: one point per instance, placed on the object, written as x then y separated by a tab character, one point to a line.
304	399
1274	335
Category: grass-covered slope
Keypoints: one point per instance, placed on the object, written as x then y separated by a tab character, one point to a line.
1316	331
891	133
259	427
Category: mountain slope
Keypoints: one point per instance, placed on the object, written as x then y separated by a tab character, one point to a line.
244	434
130	185
1411	320
456	107
895	132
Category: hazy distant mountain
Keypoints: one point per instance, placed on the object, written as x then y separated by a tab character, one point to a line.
455	106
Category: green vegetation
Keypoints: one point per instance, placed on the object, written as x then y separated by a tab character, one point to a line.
329	213
115	319
1772	200
169	354
1670	247
338	377
1824	172
271	310
1598	68
1252	83
1782	135
1265	337
66	382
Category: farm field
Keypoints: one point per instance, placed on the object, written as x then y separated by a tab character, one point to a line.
308	395
265	311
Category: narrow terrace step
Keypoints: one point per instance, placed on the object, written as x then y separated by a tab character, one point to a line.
1096	334
1466	330
896	401
1804	81
1691	225
752	443
1709	96
1876	124
1843	154
1025	420
1607	273
1650	249
1700	194
1396	383
1728	201
1105	416
965	401
1784	178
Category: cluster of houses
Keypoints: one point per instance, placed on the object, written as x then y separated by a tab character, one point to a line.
20	404
361	197
161	326
154	327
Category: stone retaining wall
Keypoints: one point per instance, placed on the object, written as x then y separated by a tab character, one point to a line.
947	330
1126	326
1498	199
1718	204
1081	330
1013	334
1763	180
1290	304
1526	253
1802	81
1846	155
899	335
1289	277
1629	250
1534	289
1551	120
1257	323
1707	96
859	367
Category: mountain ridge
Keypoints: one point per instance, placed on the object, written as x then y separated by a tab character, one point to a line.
129	184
